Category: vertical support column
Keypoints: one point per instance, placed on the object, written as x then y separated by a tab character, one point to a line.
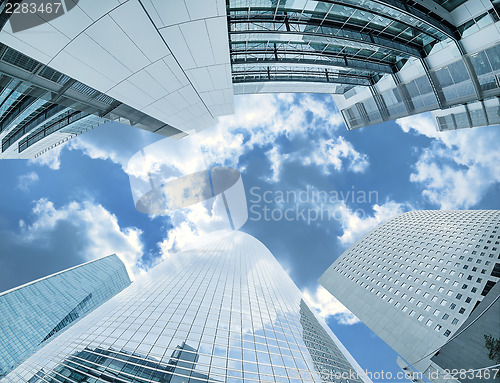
470	69
382	108
469	118
438	96
485	112
404	94
362	112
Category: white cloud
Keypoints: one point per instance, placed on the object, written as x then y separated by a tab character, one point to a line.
50	158
277	159
357	223
459	167
97	228
93	150
193	224
26	181
260	120
327	305
337	153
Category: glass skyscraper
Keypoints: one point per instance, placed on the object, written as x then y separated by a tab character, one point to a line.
224	312
417	278
173	67
33	314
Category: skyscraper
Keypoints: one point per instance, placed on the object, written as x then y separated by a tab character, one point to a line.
415	279
34	313
173	67
225	311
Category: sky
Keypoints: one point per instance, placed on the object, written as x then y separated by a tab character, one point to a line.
75	204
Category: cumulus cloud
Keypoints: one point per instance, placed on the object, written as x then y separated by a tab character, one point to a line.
92	149
192	225
337	153
326	305
459	167
356	223
26	181
50	158
95	230
277	159
261	119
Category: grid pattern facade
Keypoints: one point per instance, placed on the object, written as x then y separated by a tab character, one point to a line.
481	113
34	313
416	278
28	114
173	68
343	41
226	312
41	108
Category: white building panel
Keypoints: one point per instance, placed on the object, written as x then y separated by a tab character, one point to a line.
87	74
72	23
88	51
490	35
113	40
140	30
95	9
201	9
115	46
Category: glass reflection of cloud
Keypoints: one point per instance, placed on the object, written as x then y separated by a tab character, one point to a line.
172	176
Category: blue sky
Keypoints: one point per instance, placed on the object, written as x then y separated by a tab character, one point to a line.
75	203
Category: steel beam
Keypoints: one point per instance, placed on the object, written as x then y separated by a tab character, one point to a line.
320	29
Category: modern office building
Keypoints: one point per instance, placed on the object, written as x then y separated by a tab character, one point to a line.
467	351
417	278
224	312
33	314
173	67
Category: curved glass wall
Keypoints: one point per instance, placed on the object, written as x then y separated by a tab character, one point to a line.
225	312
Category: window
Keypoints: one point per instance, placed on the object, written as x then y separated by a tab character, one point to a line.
428	323
461	311
420	318
452	306
454	321
447	333
459	296
445	316
438	327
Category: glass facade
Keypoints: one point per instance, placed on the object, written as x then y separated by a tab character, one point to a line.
28	113
397	58
348	42
480	113
33	314
415	279
41	108
224	312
